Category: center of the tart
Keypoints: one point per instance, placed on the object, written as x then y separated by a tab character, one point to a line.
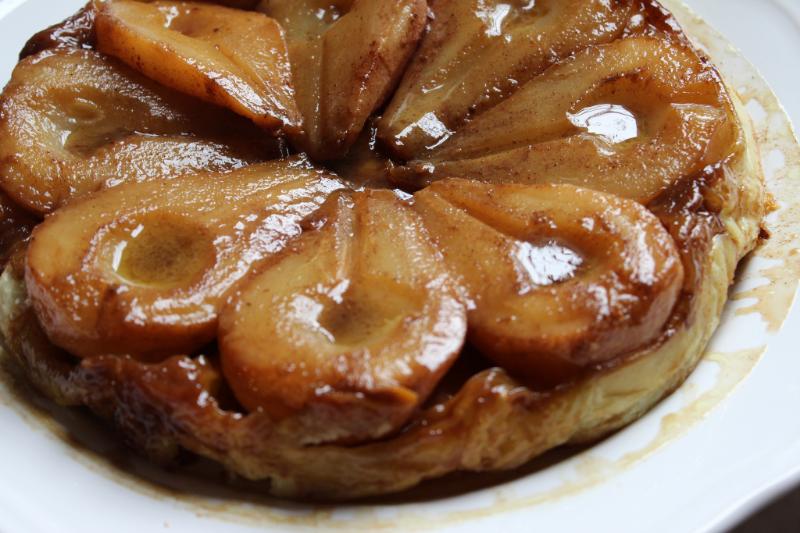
163	252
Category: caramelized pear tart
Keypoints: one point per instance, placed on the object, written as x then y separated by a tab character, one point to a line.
345	246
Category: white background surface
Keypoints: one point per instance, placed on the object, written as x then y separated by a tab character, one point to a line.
768	34
760	458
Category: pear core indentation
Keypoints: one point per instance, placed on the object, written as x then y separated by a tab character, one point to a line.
86	125
358	316
163	252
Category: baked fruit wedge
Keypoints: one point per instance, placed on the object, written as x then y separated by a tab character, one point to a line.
478	52
559	279
233	58
345	334
143	269
75	121
78	30
346	58
629	118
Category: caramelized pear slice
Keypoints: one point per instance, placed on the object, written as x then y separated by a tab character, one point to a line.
477	52
560	278
142	269
346	58
629	118
77	31
74	121
233	58
347	332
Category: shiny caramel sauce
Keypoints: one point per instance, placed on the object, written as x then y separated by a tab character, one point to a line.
163	252
613	122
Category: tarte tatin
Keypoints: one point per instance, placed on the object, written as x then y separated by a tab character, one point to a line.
347	246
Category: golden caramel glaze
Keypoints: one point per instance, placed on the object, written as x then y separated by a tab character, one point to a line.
144	269
558	278
629	118
348	331
75	121
347	57
225	56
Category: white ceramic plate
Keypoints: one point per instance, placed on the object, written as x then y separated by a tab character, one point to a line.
704	458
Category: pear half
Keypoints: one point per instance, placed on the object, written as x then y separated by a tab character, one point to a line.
477	52
347	332
629	118
75	121
142	269
233	58
559	278
346	59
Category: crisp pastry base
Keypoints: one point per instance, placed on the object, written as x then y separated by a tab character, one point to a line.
491	423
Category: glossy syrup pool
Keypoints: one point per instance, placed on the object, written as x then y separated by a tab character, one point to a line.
614	122
162	252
